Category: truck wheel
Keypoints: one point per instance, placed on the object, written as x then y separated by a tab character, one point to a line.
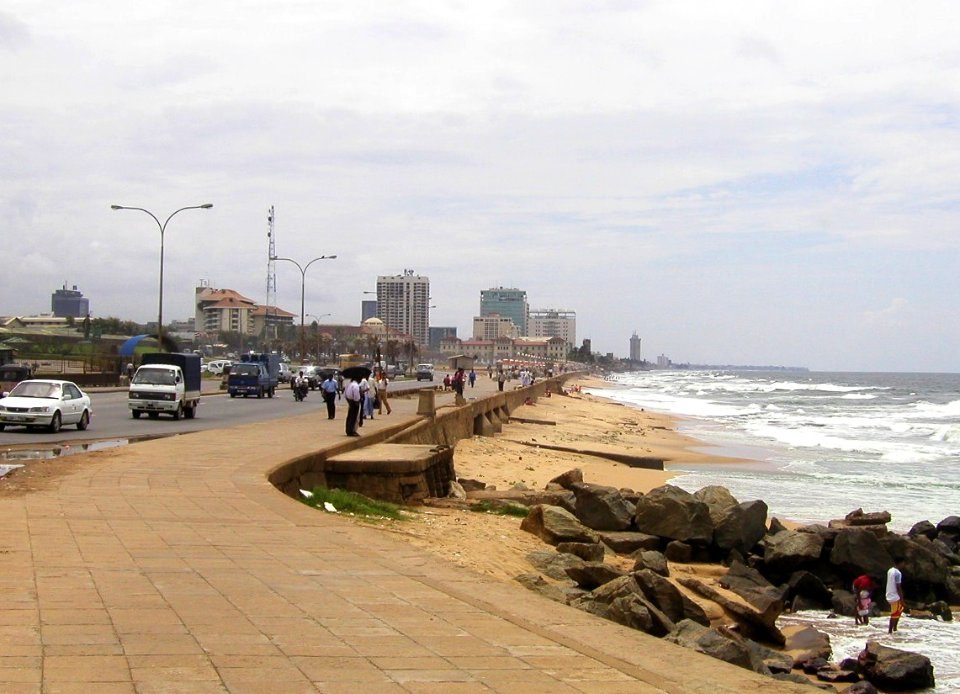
233	395
259	393
191	411
178	413
2	427
136	414
270	393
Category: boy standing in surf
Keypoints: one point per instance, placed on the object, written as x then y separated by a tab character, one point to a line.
895	594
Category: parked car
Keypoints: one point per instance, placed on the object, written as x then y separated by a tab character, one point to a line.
285	374
46	403
216	366
424	372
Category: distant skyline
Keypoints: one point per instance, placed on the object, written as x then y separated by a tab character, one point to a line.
738	182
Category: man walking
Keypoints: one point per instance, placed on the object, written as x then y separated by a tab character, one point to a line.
895	594
501	379
352	393
329	390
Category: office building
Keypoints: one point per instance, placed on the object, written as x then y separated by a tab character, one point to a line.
635	348
368	309
438	333
511	303
493	326
69	302
403	304
551	322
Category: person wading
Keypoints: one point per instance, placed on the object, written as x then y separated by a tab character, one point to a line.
895	594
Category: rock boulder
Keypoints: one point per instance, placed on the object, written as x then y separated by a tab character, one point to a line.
553	525
891	669
601	508
789	550
740	527
673	513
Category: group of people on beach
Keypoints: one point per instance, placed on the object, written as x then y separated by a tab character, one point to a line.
863	587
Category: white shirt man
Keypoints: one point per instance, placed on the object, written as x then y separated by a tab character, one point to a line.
895	594
352	393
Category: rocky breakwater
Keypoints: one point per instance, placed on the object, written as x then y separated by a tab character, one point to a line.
708	572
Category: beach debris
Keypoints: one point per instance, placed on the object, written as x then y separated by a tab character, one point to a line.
306	494
456	491
329	508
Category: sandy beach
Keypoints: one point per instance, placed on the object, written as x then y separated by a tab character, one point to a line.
494	545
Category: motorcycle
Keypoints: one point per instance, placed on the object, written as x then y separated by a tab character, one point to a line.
300	387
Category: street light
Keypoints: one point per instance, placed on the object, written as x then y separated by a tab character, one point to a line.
316	319
163	227
303	280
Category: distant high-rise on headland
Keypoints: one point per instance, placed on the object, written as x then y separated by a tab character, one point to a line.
403	304
509	303
635	347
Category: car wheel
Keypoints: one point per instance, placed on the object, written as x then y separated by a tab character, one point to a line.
84	421
2	427
55	423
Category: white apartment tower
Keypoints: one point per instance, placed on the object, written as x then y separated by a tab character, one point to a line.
403	304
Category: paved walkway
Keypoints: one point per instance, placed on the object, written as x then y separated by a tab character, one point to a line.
174	566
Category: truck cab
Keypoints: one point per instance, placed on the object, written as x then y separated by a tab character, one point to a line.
255	374
166	383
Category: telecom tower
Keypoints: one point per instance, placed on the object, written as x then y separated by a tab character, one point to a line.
270	327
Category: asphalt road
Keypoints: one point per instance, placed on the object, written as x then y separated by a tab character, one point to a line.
112	420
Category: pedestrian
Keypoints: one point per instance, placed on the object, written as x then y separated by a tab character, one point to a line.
501	379
382	387
895	594
364	389
862	587
352	393
457	382
446	382
329	391
369	397
473	377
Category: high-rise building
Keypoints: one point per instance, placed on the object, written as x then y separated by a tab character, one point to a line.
403	304
635	348
69	302
368	309
551	322
511	303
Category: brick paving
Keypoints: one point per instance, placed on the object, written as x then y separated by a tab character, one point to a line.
174	566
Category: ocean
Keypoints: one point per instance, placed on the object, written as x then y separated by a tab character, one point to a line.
817	446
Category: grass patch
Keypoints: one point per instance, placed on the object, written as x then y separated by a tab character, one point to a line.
500	509
353	503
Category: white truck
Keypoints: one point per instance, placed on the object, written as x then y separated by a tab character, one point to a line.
167	382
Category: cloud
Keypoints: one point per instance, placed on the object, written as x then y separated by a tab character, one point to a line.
895	315
14	33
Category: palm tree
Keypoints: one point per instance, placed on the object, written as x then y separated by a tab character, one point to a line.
411	350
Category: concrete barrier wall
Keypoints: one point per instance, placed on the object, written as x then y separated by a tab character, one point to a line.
483	417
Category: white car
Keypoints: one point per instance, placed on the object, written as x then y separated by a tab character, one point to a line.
216	366
46	403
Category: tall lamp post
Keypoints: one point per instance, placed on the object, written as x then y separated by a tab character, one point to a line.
303	280
317	319
163	228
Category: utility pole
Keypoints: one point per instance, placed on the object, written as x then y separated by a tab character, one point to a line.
269	325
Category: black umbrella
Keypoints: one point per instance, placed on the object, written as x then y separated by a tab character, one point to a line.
355	373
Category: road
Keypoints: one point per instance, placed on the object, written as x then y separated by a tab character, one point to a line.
112	420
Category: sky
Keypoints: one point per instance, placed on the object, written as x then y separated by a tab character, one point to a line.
738	182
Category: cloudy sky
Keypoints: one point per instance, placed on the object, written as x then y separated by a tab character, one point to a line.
739	182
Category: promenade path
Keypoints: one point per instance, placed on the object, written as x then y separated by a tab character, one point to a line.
174	566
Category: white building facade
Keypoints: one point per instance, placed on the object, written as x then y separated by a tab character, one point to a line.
403	304
551	322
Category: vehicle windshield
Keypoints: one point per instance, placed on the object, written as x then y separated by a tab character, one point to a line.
154	377
245	370
35	389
